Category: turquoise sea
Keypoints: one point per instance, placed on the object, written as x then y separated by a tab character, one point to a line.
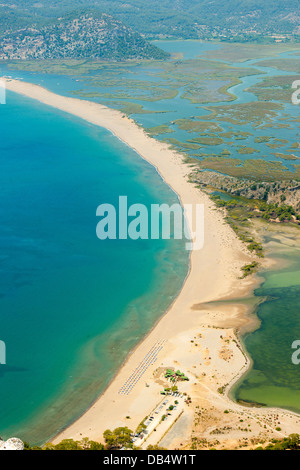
71	306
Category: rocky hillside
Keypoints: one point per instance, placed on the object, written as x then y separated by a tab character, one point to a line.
277	192
89	35
226	19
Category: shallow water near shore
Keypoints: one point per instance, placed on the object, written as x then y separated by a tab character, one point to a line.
71	306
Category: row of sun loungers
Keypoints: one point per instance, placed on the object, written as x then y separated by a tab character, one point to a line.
148	360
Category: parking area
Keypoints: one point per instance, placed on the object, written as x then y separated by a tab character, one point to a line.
160	420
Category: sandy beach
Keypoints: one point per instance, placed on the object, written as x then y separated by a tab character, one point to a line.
193	335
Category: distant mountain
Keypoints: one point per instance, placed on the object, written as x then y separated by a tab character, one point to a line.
85	35
179	18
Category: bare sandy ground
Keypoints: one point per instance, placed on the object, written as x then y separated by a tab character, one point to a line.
214	275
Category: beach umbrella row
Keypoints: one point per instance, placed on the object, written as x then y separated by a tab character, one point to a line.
138	372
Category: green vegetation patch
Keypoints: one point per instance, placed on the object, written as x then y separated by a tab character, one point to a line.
287	443
283	156
236	135
247	150
254	113
191	125
241	210
262	139
277	88
241	52
158	130
133	108
249	268
255	169
207	140
182	145
287	65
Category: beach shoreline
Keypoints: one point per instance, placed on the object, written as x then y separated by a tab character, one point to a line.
214	274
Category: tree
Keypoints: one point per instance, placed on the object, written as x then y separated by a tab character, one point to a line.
294	441
155	447
120	437
68	444
96	446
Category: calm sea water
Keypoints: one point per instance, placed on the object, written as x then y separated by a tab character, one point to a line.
71	306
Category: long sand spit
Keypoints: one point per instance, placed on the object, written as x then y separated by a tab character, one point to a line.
214	273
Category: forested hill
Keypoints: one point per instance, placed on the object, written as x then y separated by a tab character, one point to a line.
248	19
85	35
